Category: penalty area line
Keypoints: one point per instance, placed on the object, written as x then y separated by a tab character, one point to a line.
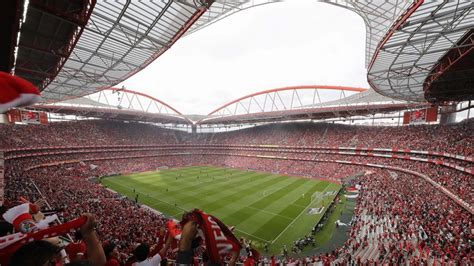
249	234
299	215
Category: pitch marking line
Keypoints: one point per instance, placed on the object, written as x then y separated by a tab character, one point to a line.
269	212
252	235
182	209
148	195
297	217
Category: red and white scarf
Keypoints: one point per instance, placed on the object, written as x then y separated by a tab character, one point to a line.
10	243
220	241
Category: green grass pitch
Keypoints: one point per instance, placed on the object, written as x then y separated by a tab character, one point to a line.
263	207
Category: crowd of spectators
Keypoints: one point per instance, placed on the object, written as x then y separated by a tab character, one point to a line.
398	219
120	221
456	138
454	180
404	220
77	133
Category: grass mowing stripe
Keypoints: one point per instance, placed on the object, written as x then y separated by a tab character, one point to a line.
303	224
214	181
175	197
173	185
186	196
249	180
152	202
272	199
293	209
210	191
237	194
287	204
252	236
225	192
230	203
244	213
290	208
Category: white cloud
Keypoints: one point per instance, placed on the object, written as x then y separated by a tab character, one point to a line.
275	45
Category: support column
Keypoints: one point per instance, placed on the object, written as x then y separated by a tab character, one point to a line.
448	114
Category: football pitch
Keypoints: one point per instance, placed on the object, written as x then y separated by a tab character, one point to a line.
264	207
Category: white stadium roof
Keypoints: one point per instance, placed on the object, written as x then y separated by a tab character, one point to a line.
405	40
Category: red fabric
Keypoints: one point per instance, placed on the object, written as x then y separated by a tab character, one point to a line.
255	255
249	261
174	243
219	239
112	262
160	240
22	217
57	230
253	259
352	188
173	228
74	249
34	208
12	87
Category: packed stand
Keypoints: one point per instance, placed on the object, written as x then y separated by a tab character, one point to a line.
429	226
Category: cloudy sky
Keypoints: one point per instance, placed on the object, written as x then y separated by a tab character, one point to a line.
283	44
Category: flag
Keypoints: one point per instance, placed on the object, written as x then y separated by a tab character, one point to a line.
16	92
173	229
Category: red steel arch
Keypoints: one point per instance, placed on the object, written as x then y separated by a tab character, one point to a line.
125	105
300	87
141	94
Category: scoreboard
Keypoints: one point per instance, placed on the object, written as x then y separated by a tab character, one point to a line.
421	116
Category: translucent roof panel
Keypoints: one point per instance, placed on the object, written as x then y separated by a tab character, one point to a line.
121	38
378	16
221	9
414	45
405	39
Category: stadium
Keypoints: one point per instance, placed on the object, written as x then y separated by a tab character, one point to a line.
95	172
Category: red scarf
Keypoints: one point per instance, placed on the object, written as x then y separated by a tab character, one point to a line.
10	243
220	241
